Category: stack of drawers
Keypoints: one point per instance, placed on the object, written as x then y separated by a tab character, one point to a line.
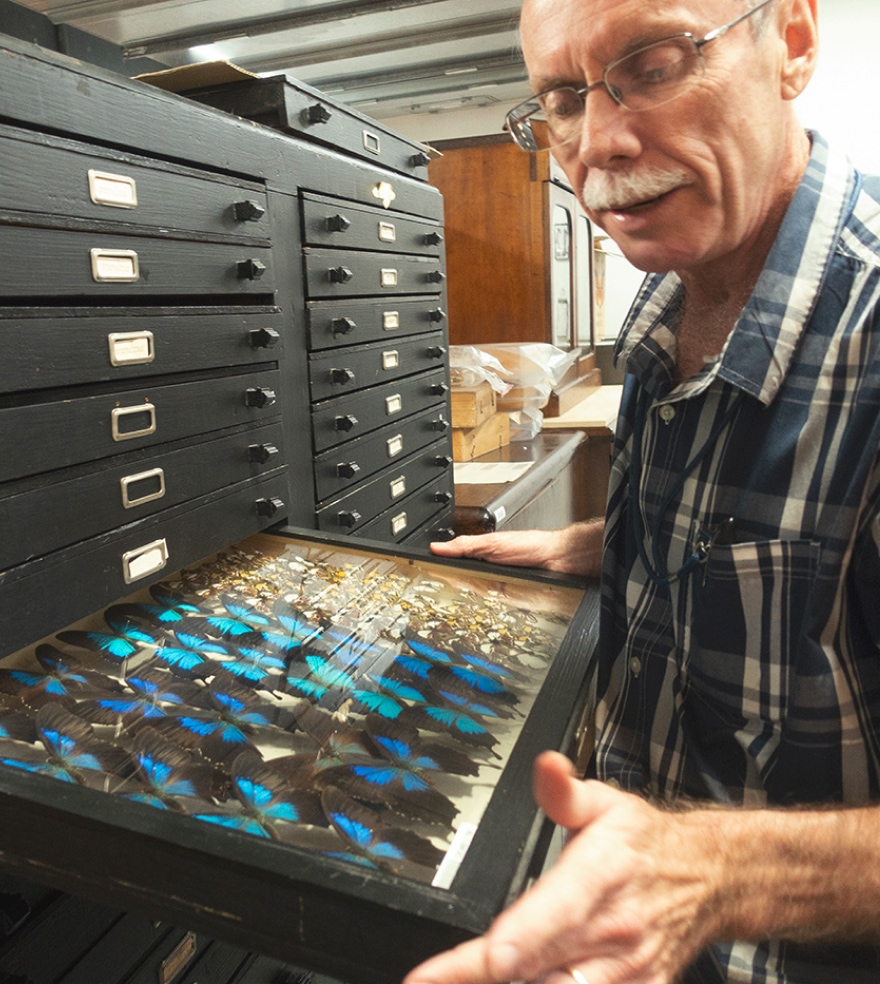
139	416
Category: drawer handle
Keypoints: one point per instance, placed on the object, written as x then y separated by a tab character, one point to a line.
390	360
445	497
399	523
433	238
342	376
439	389
269	508
419	159
263	338
338	223
131	348
144	487
115	190
438	314
435	277
388	277
390	320
114	266
248	210
372	142
127	423
340	275
349	518
144	561
440	424
393	404
346	423
316	113
258	396
443	460
343	326
387	232
394	445
397	487
259	454
347	469
436	352
250	269
385	193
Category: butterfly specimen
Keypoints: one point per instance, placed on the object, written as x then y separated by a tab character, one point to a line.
253	667
63	676
267	801
371	837
237	620
149	697
452	722
71	751
403	745
165	772
17	726
123	640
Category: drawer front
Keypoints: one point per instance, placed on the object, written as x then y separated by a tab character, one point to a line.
62	178
296	108
334	222
342	273
347	417
390	487
338	468
41	348
344	370
407	517
334	323
49	593
52	262
43	437
73	507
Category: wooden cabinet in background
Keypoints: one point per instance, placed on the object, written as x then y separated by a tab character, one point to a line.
518	246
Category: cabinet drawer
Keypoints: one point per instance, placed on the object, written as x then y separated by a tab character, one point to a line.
63	178
344	370
41	348
294	107
390	487
410	514
51	262
338	468
343	273
42	437
49	593
346	417
335	222
334	323
74	506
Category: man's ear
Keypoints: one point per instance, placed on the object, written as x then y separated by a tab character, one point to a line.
800	34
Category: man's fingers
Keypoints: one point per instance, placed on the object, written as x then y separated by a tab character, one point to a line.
474	962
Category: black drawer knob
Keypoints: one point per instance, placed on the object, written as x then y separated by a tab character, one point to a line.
258	396
269	507
318	113
438	389
340	275
444	497
443	460
263	338
436	352
346	423
444	533
435	277
438	314
347	469
343	326
249	210
440	424
419	159
433	239
338	223
259	454
251	269
342	376
348	518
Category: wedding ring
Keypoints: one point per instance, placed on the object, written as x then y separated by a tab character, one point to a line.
576	975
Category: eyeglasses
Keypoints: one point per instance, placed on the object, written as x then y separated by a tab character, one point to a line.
648	77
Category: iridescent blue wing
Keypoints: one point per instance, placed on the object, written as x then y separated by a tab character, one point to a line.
332	736
463	702
299	628
467	654
167	771
364	831
217	739
424	649
71	743
326	673
402	744
238	620
451	722
34	689
184	662
410	667
386	784
114	645
254	668
67	668
268	798
481	683
402	690
199	644
372	701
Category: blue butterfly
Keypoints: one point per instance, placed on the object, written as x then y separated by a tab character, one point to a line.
368	701
452	722
482	683
402	690
402	744
239	620
167	773
191	656
124	640
464	703
252	667
153	695
426	651
370	837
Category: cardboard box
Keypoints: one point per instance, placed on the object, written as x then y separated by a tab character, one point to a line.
471	405
492	434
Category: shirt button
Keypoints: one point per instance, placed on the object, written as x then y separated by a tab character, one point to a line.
667	412
635	665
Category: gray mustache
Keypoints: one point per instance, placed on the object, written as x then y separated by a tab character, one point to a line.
604	190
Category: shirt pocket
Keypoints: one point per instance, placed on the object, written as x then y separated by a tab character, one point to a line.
748	612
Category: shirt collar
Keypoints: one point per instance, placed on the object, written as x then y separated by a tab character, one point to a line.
759	350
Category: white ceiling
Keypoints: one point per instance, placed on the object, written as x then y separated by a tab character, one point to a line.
385	58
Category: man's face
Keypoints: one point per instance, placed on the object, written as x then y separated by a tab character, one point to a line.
686	183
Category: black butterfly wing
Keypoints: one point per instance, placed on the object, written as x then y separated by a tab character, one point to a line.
402	744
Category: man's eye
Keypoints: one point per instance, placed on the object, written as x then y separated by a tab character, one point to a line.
560	105
655	67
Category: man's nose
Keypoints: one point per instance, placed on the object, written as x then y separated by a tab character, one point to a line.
606	130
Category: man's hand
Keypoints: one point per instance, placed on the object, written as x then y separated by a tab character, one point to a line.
575	549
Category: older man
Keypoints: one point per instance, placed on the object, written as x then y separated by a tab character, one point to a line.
734	835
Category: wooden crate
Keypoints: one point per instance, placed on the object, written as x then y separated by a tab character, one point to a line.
492	434
470	406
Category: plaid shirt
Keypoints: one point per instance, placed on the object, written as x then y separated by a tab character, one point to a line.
740	657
